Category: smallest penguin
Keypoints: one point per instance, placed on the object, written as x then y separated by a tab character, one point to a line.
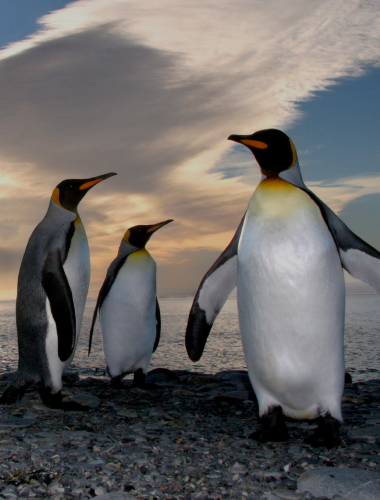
128	307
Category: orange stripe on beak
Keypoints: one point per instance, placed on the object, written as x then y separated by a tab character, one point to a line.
89	184
255	144
154	228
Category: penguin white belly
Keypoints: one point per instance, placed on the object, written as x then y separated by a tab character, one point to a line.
128	316
77	270
291	303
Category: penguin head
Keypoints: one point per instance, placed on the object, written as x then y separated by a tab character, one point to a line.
274	151
138	236
69	193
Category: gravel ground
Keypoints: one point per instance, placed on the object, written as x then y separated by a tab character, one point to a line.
185	438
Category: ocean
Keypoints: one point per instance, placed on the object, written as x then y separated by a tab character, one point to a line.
223	350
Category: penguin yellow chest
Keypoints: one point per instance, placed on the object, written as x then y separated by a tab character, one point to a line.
291	302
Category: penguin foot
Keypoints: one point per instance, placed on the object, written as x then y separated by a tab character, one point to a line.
273	427
15	391
54	401
327	433
116	382
139	379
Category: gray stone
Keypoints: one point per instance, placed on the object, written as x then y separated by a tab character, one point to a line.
352	484
372	431
116	496
288	495
17	422
84	399
127	413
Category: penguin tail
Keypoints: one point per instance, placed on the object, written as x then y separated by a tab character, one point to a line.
15	391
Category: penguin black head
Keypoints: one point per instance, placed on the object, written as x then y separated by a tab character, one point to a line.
274	151
69	193
138	236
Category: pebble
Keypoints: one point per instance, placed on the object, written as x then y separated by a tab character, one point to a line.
185	436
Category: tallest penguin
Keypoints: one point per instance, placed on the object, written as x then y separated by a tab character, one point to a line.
286	260
52	289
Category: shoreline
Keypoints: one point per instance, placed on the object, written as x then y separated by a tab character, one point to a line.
185	438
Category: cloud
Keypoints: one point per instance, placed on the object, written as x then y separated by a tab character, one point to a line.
151	91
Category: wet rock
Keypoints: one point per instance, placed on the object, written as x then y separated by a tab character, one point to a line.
352	484
162	376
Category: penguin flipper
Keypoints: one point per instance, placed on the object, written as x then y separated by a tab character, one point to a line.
112	271
58	291
214	290
358	258
158	326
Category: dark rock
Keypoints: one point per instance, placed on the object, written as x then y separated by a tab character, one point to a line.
162	376
70	378
232	396
235	376
203	379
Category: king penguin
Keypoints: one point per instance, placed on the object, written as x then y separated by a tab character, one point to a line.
51	294
128	307
286	260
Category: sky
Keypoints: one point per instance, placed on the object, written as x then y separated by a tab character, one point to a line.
151	90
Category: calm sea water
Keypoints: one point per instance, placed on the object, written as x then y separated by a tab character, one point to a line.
223	349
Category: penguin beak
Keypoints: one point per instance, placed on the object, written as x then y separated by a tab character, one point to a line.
89	183
235	138
248	141
155	227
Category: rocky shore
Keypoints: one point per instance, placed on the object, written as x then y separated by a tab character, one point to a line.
185	437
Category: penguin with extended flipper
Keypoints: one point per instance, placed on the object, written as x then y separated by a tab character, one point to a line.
286	260
128	308
51	294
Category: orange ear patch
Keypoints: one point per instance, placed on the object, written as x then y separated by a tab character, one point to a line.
255	144
55	197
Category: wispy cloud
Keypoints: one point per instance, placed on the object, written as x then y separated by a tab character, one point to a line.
151	91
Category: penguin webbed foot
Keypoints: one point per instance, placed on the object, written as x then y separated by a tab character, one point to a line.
15	391
139	379
54	401
117	382
273	427
327	433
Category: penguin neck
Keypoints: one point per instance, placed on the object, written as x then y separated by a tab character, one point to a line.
126	249
59	212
